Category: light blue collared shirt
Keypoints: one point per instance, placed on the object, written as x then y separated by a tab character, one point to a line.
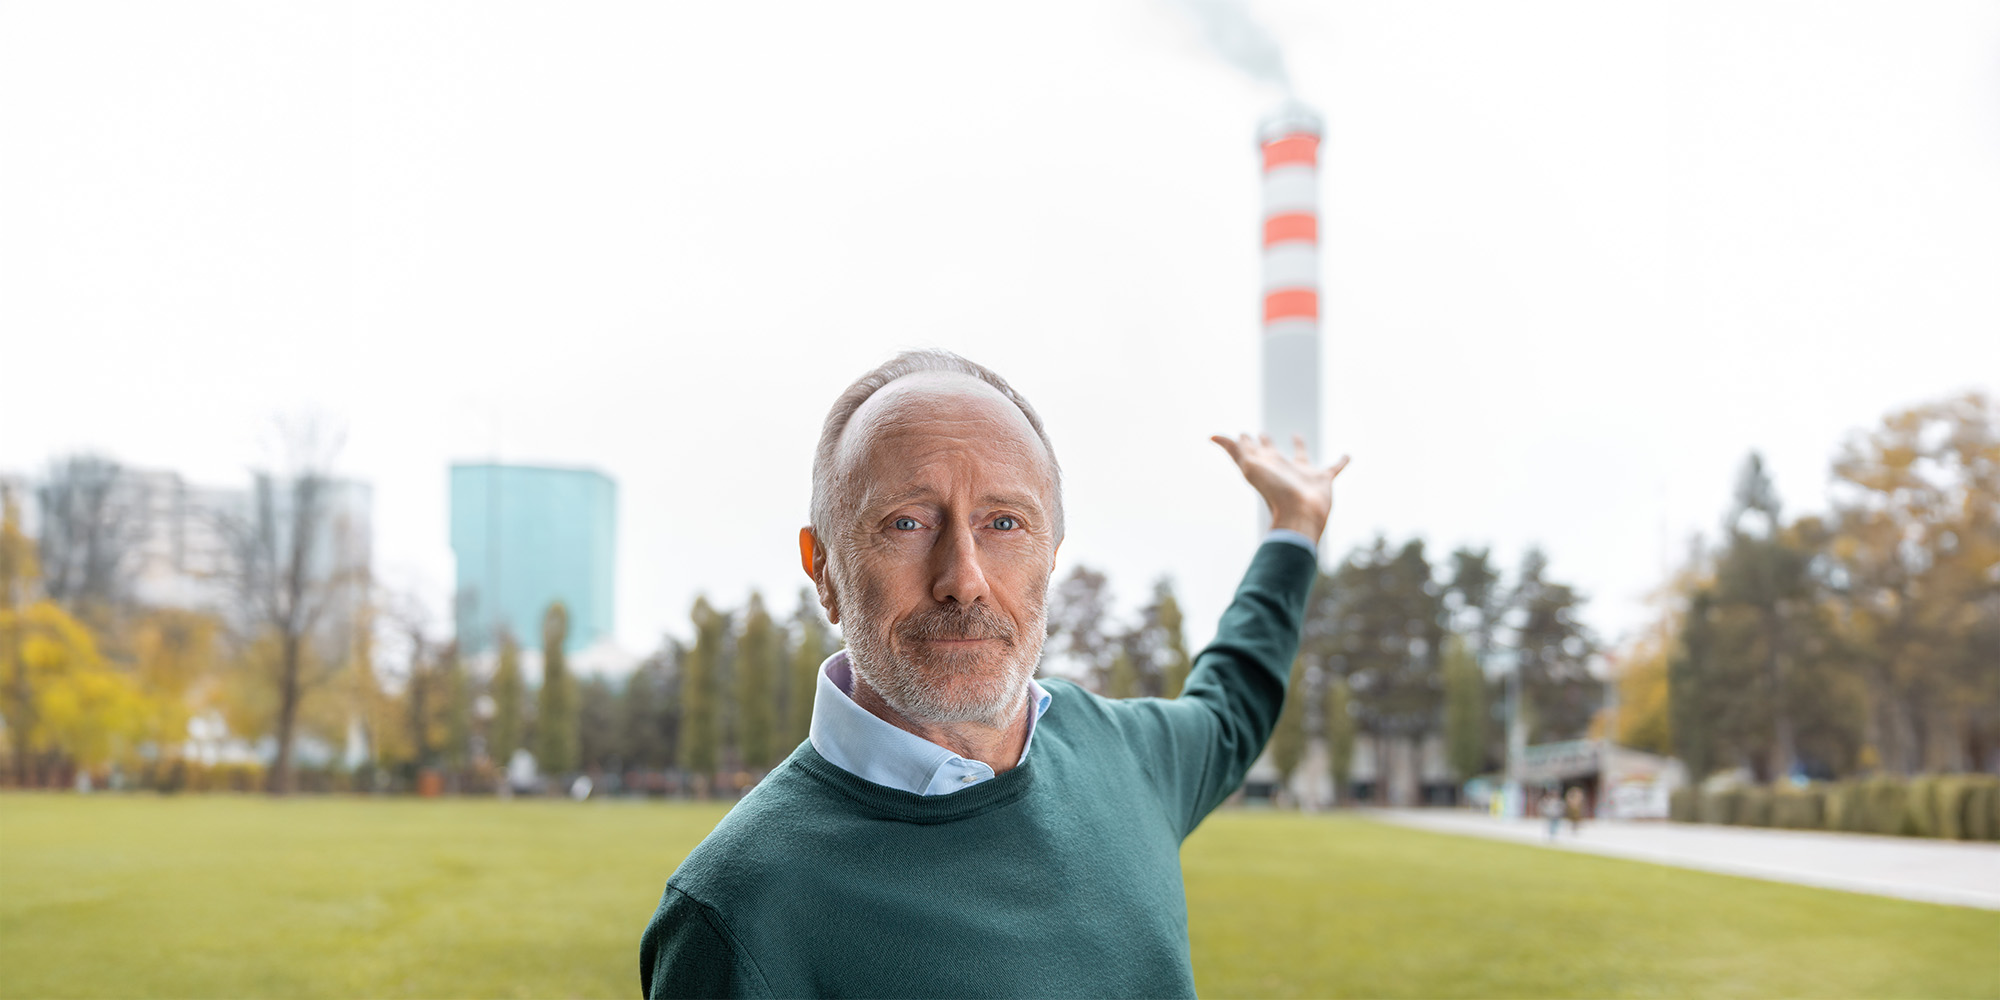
1290	537
861	743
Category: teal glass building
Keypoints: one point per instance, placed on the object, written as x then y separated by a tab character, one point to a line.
527	535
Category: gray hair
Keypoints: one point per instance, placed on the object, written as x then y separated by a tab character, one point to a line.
824	475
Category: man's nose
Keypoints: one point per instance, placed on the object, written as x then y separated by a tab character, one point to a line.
956	574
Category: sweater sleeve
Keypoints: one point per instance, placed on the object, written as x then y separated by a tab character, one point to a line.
1214	731
687	951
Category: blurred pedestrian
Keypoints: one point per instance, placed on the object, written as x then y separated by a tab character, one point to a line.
1573	808
1551	809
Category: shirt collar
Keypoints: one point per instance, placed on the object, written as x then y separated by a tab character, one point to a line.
863	744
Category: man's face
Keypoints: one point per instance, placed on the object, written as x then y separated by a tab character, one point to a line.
945	547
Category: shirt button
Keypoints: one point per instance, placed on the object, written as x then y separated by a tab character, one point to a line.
970	778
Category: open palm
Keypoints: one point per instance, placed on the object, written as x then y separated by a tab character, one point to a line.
1299	493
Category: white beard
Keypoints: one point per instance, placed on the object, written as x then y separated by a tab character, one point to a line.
938	691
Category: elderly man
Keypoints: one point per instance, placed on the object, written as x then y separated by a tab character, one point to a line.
952	827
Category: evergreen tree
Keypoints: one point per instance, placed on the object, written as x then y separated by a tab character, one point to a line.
1174	659
507	700
700	729
1078	620
759	653
1378	624
1691	696
456	688
815	644
1464	710
1122	680
1553	649
649	721
1765	592
556	705
1339	722
600	746
1474	599
1288	740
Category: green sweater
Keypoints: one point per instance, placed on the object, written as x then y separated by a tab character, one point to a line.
1060	877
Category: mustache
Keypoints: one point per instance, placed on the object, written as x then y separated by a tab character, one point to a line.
957	621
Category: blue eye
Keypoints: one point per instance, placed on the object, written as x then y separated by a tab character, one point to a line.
906	524
1005	523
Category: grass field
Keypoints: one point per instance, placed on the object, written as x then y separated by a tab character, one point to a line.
222	896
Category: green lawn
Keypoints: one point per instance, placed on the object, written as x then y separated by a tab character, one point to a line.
222	896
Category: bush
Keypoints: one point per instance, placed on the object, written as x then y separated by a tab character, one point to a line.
1799	808
1753	808
1979	816
1837	814
1992	796
1948	801
1684	805
223	777
1720	806
1950	806
1920	807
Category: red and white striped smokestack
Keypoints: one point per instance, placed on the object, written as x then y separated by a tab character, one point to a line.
1289	139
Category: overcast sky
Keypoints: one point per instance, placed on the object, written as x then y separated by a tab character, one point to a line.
1578	258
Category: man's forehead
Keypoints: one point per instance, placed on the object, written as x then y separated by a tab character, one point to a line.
932	400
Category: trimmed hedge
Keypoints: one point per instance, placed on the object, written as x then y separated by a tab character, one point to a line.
1799	808
1946	806
1684	805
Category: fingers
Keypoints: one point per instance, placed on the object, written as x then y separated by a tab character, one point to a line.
1299	448
1230	446
1337	466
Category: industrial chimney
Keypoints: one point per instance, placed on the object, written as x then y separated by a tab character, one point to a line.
1289	139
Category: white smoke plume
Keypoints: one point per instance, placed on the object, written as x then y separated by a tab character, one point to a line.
1236	36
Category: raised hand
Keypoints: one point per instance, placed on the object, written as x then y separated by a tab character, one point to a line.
1299	494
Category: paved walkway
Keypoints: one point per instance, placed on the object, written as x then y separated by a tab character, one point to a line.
1930	871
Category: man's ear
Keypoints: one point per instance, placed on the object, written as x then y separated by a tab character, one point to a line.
812	558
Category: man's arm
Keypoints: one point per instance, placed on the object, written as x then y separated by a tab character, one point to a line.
688	952
1214	731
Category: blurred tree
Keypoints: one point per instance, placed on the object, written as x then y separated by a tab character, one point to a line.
1079	621
1464	710
455	687
1916	537
1381	629
1475	602
1762	589
509	693
815	644
1338	717
1644	707
1553	650
651	718
80	712
421	675
599	747
93	520
1164	616
556	705
1288	740
1476	608
286	582
700	730
759	654
18	576
1122	680
1692	690
176	654
85	711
